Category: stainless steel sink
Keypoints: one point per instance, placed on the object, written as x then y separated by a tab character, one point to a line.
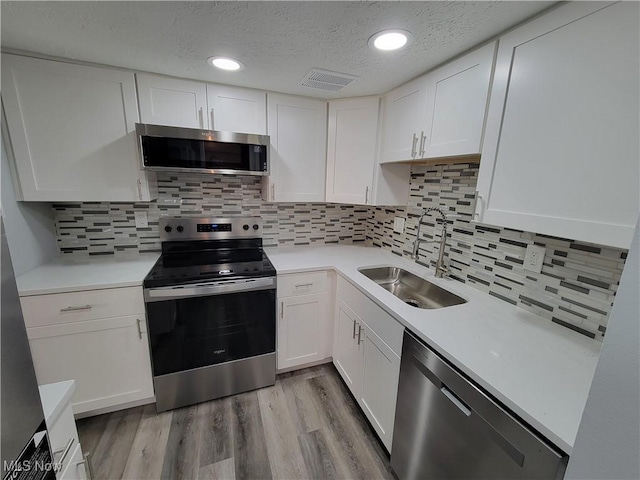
411	289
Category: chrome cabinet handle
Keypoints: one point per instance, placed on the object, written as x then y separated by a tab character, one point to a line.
201	117
213	123
475	204
366	195
139	328
423	137
413	145
359	333
282	309
65	451
140	189
273	192
303	284
354	329
76	309
87	465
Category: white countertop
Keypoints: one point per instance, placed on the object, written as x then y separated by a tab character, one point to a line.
73	274
54	398
540	370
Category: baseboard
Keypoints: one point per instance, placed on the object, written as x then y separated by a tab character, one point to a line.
115	408
305	365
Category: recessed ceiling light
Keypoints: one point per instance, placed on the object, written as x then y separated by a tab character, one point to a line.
226	63
390	39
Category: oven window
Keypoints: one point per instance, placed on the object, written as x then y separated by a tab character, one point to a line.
199	331
209	155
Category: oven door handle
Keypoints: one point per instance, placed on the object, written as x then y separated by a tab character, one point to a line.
162	294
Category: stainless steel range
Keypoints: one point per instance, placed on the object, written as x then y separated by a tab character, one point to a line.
211	310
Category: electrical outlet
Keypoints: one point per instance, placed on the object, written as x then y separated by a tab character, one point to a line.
534	258
398	224
141	220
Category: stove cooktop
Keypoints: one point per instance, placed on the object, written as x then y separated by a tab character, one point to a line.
198	267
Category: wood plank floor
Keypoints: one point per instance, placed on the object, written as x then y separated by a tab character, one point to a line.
306	426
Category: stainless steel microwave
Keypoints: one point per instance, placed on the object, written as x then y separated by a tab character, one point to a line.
176	149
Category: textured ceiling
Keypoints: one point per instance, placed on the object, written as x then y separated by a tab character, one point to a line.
278	41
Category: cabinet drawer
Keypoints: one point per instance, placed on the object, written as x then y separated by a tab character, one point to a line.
42	310
302	284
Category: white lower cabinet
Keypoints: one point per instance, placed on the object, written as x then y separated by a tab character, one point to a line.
367	344
381	371
304	323
347	352
107	357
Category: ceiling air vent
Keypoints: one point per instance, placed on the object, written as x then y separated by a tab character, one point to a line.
326	80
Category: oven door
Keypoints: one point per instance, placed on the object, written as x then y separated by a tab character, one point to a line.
193	326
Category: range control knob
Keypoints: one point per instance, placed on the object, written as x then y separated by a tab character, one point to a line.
180	228
255	226
245	227
168	228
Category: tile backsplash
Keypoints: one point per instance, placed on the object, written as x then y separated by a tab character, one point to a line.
578	282
107	228
576	287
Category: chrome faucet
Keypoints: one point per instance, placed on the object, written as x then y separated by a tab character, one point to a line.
441	269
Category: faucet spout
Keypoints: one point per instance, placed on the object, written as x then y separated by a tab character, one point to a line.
441	268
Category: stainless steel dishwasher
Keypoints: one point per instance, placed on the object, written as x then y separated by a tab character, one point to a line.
447	428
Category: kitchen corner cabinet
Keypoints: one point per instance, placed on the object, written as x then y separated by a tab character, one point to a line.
298	130
441	114
366	352
97	338
351	150
71	130
354	175
560	154
172	101
304	322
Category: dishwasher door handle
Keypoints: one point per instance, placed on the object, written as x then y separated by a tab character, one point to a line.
456	401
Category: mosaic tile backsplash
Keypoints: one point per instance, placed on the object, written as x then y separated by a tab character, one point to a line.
109	228
578	282
576	287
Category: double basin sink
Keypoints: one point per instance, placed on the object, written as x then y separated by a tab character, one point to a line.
411	289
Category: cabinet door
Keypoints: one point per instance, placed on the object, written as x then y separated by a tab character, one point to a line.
457	96
302	330
560	154
347	352
72	131
381	371
108	359
237	109
298	131
172	101
404	114
351	151
76	467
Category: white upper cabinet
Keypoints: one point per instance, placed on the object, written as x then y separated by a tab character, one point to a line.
72	131
404	119
234	109
298	130
172	101
351	150
441	114
457	95
561	149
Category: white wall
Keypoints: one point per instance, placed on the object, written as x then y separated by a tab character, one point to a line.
29	226
608	441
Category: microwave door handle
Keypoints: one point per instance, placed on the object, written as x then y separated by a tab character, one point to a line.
202	290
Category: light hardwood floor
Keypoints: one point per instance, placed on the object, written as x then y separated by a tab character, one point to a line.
306	426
